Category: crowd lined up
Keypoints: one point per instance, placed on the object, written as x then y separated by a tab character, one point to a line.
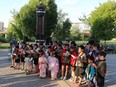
67	60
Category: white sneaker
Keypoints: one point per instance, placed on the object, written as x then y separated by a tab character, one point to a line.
71	79
64	78
61	77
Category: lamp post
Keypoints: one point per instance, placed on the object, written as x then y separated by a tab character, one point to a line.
40	13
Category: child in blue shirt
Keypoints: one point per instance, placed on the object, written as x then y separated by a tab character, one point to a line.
90	71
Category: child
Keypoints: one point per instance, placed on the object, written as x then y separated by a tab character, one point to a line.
88	49
27	60
95	52
80	65
13	55
31	53
23	49
48	51
42	64
35	57
101	69
72	62
53	65
65	60
17	60
90	71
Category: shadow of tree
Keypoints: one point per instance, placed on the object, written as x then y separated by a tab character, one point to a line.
110	78
32	80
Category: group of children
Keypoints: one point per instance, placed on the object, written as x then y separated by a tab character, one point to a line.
76	63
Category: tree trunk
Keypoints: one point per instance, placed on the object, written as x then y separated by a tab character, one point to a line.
105	42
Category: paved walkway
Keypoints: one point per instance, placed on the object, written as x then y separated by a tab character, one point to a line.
16	78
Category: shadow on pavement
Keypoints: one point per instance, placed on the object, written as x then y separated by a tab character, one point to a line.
110	79
22	81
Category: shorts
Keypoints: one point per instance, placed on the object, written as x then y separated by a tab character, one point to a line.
65	64
17	60
79	71
22	59
35	61
100	80
13	56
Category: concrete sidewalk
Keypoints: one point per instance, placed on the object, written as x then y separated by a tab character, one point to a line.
17	78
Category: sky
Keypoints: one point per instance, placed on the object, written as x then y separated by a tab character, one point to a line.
74	8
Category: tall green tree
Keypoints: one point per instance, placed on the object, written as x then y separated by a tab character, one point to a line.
103	21
25	19
75	32
62	31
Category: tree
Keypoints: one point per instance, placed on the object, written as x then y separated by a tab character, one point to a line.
75	32
25	19
62	31
103	20
50	18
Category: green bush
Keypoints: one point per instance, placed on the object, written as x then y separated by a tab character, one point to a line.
2	39
4	46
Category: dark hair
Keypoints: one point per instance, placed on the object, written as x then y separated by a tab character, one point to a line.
55	41
36	45
102	53
60	45
31	46
73	43
82	47
51	42
60	42
23	42
90	57
87	43
41	43
72	47
17	46
91	42
66	45
41	51
49	47
96	45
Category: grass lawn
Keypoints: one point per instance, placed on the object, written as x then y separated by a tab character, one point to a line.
101	42
109	42
6	45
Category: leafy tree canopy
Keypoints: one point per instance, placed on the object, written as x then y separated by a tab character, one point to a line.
24	21
103	21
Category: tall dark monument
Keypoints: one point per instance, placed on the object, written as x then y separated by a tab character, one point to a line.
40	13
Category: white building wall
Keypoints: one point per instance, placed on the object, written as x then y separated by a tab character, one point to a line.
1	26
82	26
